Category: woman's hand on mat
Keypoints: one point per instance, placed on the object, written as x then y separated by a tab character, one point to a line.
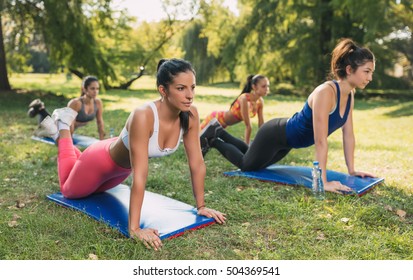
336	187
362	174
211	213
148	236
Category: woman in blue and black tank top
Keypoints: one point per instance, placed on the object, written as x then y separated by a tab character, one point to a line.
327	108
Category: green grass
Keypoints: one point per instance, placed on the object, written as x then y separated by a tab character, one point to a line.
265	220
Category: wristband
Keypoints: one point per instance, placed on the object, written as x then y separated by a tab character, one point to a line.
202	206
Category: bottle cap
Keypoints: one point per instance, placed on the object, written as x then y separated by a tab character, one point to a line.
315	162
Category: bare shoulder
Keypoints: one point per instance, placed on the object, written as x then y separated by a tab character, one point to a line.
75	104
325	93
330	86
194	117
141	117
243	97
194	110
99	101
326	89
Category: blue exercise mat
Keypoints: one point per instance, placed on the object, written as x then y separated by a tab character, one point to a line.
170	217
79	140
300	175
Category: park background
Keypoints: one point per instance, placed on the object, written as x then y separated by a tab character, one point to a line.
47	46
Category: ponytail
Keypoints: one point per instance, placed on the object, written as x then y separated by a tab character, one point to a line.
248	84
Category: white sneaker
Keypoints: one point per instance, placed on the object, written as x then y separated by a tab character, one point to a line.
47	128
65	115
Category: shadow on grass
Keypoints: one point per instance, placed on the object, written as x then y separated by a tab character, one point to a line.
229	99
405	110
146	93
224	85
22	98
215	99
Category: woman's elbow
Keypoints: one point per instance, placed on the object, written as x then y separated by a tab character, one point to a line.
322	142
199	168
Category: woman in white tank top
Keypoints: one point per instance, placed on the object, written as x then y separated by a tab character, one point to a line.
152	130
155	130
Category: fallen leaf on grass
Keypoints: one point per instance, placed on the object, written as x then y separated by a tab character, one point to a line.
93	257
326	216
247	224
20	204
106	230
348	227
15	217
388	208
13	224
321	236
345	220
329	209
401	213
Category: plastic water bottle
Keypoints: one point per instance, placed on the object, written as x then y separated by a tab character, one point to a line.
318	187
111	133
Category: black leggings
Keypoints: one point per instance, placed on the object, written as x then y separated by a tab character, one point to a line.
268	147
43	113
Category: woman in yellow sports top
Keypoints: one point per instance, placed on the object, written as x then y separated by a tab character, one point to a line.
247	105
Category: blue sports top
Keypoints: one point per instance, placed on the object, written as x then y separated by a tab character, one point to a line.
82	116
299	128
153	147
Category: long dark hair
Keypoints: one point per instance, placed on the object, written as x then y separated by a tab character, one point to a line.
86	83
348	53
166	71
251	80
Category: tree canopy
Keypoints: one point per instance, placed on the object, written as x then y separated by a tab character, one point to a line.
288	41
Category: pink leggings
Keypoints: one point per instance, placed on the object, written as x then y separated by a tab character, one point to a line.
81	174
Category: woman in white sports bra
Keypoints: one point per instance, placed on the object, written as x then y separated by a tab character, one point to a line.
152	130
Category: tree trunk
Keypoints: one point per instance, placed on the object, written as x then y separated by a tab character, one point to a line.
324	39
129	83
4	79
76	73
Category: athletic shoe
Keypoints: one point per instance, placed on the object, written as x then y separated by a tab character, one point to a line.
65	115
47	128
34	107
208	134
204	146
209	129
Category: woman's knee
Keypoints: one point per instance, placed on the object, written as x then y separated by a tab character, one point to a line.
249	166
